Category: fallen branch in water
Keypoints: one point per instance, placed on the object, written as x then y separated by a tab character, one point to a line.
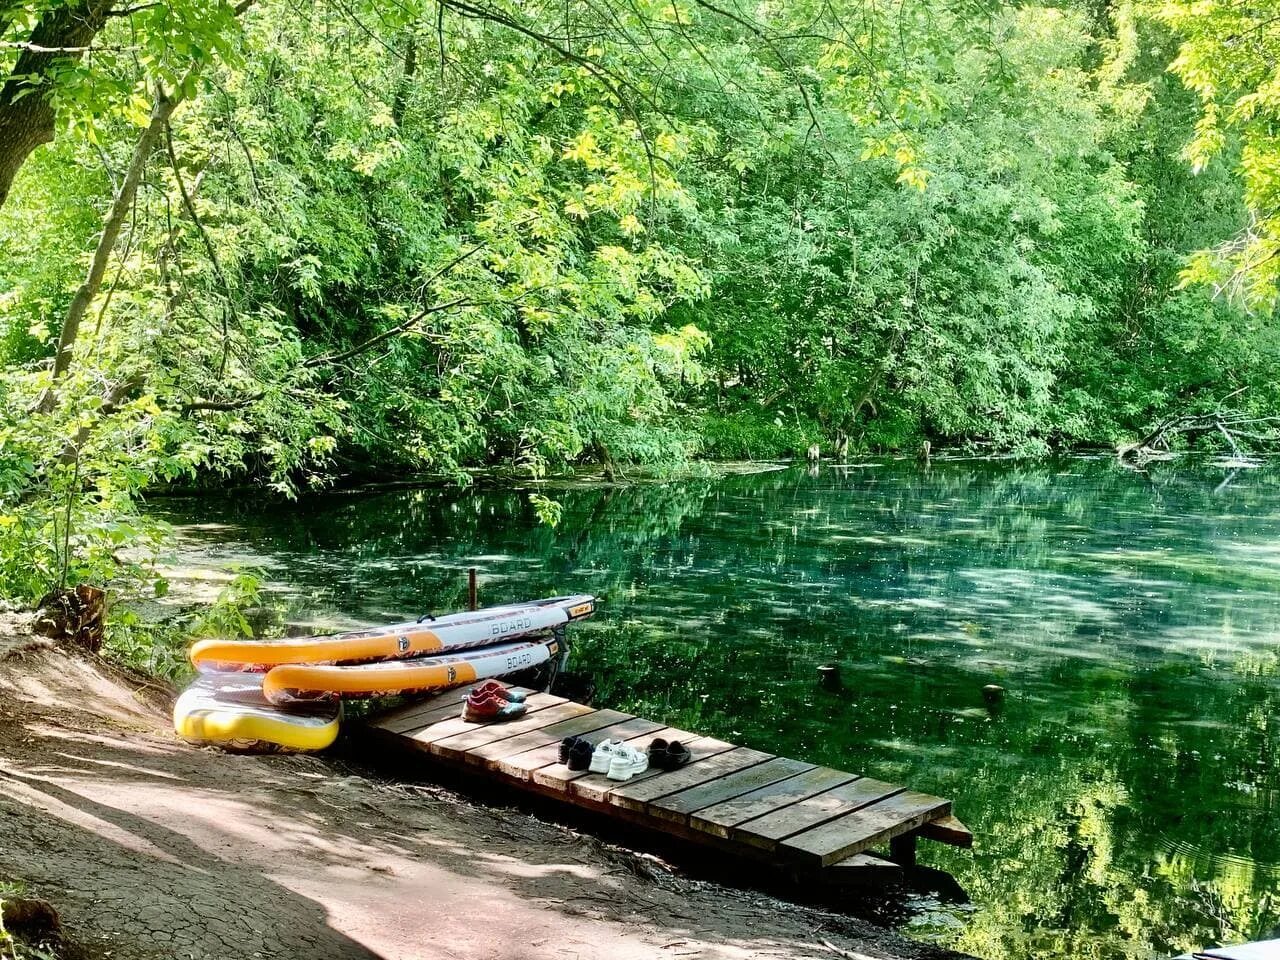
1246	435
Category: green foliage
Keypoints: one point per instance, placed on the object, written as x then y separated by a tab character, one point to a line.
548	511
406	238
68	508
157	645
1227	57
750	436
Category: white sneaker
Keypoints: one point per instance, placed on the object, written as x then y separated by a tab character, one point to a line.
639	761
603	754
626	763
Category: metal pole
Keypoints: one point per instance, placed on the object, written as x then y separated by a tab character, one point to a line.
471	589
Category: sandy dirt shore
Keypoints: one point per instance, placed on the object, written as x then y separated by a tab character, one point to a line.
152	848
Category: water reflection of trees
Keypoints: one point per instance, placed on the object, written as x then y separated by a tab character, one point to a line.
1124	797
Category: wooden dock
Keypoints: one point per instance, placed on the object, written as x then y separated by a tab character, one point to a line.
795	815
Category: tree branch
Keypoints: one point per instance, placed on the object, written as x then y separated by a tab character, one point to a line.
386	335
222	406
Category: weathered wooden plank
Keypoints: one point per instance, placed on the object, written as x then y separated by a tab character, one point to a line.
862	870
720	818
424	737
437	707
411	715
420	718
639	793
678	806
489	754
766	831
543	765
948	829
481	733
859	831
596	788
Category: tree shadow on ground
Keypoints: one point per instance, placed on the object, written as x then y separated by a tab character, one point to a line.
152	846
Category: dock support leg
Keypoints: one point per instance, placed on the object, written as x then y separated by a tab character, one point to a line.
902	850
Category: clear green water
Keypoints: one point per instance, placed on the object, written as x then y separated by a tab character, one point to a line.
1126	799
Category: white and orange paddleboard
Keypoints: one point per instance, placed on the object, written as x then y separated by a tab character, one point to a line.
294	683
229	710
431	635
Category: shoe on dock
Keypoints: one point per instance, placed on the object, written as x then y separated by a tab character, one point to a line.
580	755
566	747
626	763
602	756
487	708
668	756
501	691
677	755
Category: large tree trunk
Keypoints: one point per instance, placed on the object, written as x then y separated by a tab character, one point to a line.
26	112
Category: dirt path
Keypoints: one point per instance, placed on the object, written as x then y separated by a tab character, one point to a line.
152	848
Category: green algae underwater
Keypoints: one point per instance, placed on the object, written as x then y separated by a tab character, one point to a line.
1124	792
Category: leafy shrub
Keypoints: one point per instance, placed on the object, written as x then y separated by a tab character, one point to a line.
755	436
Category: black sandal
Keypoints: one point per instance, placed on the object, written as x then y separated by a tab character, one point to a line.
658	753
566	746
677	755
580	754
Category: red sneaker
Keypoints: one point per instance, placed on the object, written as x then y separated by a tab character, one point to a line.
486	708
501	691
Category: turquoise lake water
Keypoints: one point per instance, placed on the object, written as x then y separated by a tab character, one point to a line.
1125	797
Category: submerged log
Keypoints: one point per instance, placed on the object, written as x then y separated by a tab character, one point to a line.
1242	433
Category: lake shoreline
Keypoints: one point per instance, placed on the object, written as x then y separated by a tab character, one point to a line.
595	475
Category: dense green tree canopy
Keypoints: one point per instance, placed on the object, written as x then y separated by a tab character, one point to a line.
283	243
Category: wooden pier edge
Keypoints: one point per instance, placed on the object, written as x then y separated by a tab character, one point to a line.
798	817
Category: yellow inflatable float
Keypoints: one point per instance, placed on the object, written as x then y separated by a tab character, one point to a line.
229	710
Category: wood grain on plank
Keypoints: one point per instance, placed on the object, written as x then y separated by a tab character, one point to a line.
678	806
438	706
720	818
767	830
481	733
490	754
407	717
637	795
424	737
863	870
859	831
948	829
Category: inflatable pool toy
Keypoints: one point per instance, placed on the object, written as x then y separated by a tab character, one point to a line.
293	683
430	635
229	710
